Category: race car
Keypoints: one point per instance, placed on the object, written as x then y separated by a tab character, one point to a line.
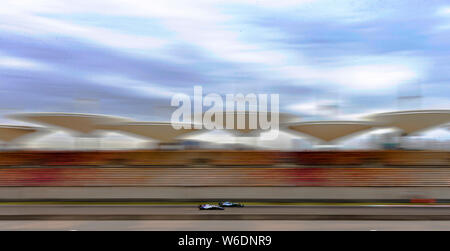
230	204
210	207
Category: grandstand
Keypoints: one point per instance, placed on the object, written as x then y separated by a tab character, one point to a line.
221	167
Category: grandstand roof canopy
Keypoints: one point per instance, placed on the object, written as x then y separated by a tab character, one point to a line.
245	129
9	133
81	124
411	122
161	131
331	130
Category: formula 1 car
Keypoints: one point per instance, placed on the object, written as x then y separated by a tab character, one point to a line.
230	204
210	207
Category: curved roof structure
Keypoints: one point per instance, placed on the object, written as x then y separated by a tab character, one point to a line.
246	115
331	130
161	131
81	124
10	133
411	122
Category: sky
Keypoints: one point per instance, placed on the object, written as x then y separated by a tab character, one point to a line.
129	57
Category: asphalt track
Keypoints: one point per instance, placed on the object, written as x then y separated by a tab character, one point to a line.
250	212
221	225
74	217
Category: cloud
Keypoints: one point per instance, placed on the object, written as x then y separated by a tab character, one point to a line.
135	54
139	87
43	26
20	63
366	75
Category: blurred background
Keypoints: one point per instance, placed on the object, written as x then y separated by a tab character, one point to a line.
364	111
